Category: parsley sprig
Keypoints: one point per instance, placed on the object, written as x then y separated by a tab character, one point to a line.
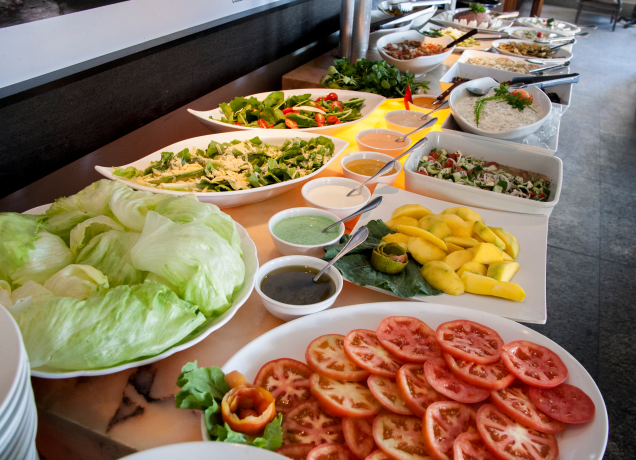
502	94
477	8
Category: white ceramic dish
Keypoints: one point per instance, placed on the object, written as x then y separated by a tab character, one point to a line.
445	18
584	441
511	30
371	102
560	55
287	312
391	152
560	27
414	114
235	197
416	66
205	451
483	45
250	259
461	92
530	230
377	15
12	360
341	213
291	249
488	150
386	179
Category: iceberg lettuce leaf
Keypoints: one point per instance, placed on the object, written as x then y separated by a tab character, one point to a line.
17	238
62	224
5	294
131	206
77	281
49	255
83	233
30	289
93	199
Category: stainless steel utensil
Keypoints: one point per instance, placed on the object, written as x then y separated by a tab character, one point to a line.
540	70
358	237
431	122
374	203
540	82
443	105
460	39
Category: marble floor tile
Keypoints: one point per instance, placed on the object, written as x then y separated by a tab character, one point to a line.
618	160
618	220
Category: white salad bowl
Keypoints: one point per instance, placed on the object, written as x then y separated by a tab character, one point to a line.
559	56
418	65
461	92
371	102
235	197
341	213
290	249
386	179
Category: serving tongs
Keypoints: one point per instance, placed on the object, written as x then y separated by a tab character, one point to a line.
356	240
540	70
407	7
524	82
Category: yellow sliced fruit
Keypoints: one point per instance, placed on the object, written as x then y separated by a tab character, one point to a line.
463	242
482	285
416	231
506	256
458	258
403	220
486	253
503	271
477	237
442	277
399	238
435	225
458	226
416	211
473	267
423	251
452	247
465	213
488	235
512	245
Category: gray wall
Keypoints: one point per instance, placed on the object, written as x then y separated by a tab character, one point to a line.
48	127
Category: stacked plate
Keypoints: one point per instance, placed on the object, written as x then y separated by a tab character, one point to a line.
18	416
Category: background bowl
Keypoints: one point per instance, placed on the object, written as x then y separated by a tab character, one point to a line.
392	152
386	179
291	249
417	65
461	92
560	55
417	114
340	212
288	312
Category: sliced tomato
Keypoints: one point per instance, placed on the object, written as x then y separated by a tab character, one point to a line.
534	364
433	155
332	119
445	382
386	392
410	339
515	402
470	341
492	376
343	399
509	440
330	451
469	446
309	423
364	349
400	436
565	402
262	123
336	105
378	455
326	356
358	433
443	422
417	393
291	124
287	380
295	451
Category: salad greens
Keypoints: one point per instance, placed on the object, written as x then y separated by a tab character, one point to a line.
356	266
371	77
236	165
203	389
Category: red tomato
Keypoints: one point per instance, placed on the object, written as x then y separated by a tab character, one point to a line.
492	163
444	381
343	399
469	446
238	124
534	364
540	34
320	99
262	123
309	423
288	110
315	105
454	156
287	380
320	119
326	356
332	119
338	122
410	339
423	173
523	94
358	433
515	402
295	451
400	436
291	124
509	440
417	393
378	455
470	341
443	422
330	451
331	97
336	105
492	376
364	349
386	392
434	155
449	163
565	402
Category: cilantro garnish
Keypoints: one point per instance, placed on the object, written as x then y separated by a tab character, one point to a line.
477	8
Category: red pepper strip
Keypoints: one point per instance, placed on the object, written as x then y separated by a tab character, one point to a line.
407	97
288	110
237	123
241	403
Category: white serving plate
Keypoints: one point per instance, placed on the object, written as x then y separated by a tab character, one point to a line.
564	28
205	451
371	102
563	35
250	259
584	441
561	55
530	230
235	197
483	46
488	150
12	360
415	66
444	19
461	92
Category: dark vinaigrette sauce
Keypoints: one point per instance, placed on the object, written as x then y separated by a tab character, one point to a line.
293	285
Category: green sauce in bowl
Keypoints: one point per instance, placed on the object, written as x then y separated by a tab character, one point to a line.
306	230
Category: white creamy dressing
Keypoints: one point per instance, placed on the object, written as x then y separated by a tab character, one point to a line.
409	120
335	196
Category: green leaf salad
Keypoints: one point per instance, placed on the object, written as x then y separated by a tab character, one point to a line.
236	165
112	275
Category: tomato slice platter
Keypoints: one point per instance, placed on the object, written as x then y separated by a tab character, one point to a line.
291	340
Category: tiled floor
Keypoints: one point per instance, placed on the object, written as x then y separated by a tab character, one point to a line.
592	239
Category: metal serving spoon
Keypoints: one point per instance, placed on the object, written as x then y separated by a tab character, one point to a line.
541	82
443	105
390	164
430	122
357	238
374	203
542	69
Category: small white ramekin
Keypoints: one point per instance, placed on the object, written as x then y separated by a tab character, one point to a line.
392	152
386	179
340	212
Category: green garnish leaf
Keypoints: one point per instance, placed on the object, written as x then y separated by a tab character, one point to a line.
477	8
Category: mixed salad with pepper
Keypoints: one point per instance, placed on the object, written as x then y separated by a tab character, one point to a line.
278	112
471	171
